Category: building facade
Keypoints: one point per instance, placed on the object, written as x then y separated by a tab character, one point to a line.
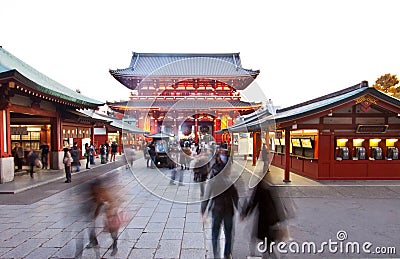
351	134
188	95
34	109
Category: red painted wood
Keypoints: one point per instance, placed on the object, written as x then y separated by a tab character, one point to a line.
287	155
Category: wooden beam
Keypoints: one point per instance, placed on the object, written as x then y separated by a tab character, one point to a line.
29	110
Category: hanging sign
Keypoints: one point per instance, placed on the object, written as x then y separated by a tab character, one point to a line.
19	130
371	128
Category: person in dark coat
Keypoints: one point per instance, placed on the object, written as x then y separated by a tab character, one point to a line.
18	153
264	157
67	160
201	170
32	156
222	197
269	212
75	154
153	154
114	148
107	149
45	154
87	155
218	165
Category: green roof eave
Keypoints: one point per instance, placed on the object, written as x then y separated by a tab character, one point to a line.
71	96
16	69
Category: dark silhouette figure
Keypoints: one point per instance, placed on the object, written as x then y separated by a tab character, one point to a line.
222	197
152	153
264	157
32	156
75	153
270	212
87	155
18	153
114	148
45	155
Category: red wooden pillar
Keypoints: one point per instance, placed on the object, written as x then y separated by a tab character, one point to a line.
56	142
120	142
5	139
196	128
254	148
91	135
215	127
287	156
56	133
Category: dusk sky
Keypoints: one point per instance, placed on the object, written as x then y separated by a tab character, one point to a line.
304	49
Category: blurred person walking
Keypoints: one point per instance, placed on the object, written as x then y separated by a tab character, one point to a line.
45	154
75	154
101	198
173	165
221	197
270	214
153	154
201	169
32	157
265	158
87	155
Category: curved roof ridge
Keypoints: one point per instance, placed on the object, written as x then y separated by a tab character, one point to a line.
327	96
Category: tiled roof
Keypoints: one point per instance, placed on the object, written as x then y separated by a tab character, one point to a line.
186	104
302	110
180	64
117	123
40	82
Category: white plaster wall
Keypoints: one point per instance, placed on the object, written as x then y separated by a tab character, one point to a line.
6	169
57	159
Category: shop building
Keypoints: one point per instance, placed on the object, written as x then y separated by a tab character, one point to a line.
34	109
110	126
351	134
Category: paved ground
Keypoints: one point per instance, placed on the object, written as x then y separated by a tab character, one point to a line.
47	221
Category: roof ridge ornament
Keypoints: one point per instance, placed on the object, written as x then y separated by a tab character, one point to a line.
134	65
234	61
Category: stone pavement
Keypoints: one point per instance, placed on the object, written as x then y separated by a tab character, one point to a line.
165	220
23	181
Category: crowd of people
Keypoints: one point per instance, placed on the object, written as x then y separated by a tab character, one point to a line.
39	159
211	166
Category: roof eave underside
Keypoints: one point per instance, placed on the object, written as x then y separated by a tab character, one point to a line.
48	92
116	123
183	104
